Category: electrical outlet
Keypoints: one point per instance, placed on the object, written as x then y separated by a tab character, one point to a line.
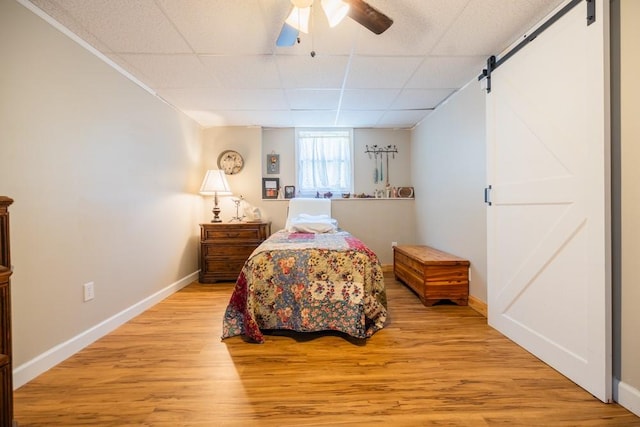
394	244
88	291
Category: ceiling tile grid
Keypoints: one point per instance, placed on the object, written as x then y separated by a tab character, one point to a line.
217	60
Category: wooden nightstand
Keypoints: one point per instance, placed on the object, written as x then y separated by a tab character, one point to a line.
225	246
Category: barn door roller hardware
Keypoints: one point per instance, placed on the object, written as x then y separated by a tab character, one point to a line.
493	62
591	11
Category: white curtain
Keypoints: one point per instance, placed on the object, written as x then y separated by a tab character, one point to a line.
324	162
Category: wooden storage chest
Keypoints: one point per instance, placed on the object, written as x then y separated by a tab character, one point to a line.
434	275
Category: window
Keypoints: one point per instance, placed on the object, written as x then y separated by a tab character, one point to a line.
324	161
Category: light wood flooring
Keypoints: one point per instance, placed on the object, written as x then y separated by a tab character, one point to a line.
440	365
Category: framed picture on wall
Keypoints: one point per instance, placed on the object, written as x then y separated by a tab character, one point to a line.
273	163
289	191
270	187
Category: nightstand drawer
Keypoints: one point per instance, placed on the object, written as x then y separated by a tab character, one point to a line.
236	234
227	251
227	268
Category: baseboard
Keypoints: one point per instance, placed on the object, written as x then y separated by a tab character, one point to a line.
50	358
478	305
627	396
387	269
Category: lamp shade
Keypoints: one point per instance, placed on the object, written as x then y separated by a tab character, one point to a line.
215	182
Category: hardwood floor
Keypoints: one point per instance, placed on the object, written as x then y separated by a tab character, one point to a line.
440	365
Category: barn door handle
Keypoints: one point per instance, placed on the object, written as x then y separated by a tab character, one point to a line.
487	195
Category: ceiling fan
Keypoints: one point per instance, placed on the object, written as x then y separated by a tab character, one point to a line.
335	10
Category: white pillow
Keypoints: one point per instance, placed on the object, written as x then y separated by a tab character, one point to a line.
307	206
318	224
307	217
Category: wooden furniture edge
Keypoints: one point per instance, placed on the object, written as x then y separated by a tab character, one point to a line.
6	370
447	258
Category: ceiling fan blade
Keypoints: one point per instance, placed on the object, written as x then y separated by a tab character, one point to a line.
288	36
368	16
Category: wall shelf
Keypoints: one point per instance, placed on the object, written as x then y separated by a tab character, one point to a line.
350	199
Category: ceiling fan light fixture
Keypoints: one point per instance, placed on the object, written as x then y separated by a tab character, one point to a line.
299	18
335	10
301	3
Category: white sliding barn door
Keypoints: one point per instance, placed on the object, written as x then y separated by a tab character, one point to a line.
548	224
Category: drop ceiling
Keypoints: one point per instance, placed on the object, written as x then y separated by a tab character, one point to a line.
217	60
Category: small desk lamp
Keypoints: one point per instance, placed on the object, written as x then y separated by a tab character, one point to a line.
215	183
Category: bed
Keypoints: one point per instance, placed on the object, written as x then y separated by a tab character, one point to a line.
310	276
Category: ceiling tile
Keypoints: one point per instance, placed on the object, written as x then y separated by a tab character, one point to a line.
314	118
499	22
243	72
216	60
58	13
447	71
352	118
227	27
311	99
226	99
172	71
305	72
371	99
384	72
420	98
417	27
127	26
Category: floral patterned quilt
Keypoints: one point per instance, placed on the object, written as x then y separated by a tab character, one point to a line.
308	282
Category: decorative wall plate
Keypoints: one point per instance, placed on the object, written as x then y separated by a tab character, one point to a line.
230	161
405	192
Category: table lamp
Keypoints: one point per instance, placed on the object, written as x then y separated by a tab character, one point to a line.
215	183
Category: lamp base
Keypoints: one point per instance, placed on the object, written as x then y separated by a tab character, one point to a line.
216	213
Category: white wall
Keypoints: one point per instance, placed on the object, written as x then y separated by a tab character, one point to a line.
104	177
247	183
449	175
399	172
629	133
